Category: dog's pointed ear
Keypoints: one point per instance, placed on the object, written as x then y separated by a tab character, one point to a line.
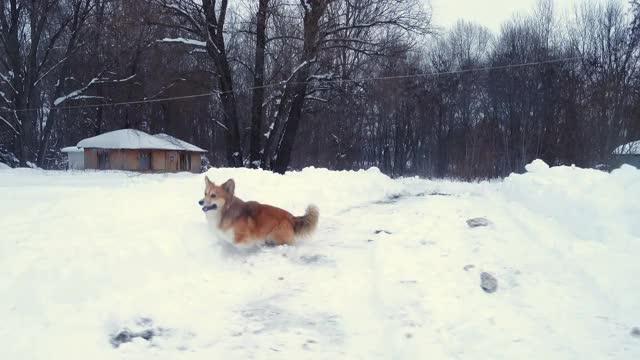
207	181
229	186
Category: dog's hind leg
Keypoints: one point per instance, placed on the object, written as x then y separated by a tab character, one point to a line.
282	234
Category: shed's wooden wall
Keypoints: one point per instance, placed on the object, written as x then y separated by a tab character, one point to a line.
158	160
123	159
130	159
161	160
195	162
90	159
117	159
172	160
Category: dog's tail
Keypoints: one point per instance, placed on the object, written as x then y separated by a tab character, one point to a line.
306	224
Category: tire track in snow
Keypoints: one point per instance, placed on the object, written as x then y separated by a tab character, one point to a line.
376	268
396	296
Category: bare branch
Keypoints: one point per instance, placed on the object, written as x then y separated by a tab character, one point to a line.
6	122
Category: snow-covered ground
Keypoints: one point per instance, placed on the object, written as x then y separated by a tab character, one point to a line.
393	271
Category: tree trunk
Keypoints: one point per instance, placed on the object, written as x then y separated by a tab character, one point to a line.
217	51
10	31
314	9
285	145
100	7
60	91
258	83
228	99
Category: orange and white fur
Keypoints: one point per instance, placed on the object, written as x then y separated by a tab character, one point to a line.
245	224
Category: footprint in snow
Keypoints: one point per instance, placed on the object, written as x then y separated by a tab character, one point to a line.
144	329
262	317
313	260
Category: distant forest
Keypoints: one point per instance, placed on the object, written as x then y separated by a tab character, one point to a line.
342	84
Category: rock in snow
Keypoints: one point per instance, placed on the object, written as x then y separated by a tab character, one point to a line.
480	221
488	283
635	332
382	231
468	267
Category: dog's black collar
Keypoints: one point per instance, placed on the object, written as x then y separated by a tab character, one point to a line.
209	207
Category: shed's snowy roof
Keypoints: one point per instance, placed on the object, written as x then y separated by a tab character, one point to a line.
70	149
175	141
632	148
134	139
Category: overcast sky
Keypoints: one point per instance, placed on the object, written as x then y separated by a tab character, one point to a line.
490	13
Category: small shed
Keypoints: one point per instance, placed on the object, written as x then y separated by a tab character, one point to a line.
627	154
136	150
76	157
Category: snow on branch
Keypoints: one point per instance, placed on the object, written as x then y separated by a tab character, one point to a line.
4	97
74	94
78	94
297	69
6	79
321	77
316	99
191	42
50	70
222	125
87	97
303	64
116	81
165	88
9	125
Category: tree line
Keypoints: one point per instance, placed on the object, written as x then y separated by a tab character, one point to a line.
342	84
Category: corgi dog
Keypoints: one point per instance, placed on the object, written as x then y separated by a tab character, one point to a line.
249	223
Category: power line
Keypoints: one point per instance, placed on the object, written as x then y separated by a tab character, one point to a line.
380	78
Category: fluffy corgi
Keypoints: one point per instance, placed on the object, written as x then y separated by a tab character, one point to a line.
245	224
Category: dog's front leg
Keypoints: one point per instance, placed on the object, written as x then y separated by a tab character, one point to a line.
240	239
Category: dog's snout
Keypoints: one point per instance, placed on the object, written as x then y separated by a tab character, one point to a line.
201	202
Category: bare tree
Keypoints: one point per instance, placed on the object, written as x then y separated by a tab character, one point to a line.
33	32
339	29
81	10
341	84
258	83
207	20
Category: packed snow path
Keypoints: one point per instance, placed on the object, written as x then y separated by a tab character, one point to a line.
112	265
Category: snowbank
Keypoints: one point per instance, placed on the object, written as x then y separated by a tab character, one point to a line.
332	191
4	166
91	260
592	204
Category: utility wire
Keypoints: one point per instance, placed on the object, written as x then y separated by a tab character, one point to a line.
381	78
